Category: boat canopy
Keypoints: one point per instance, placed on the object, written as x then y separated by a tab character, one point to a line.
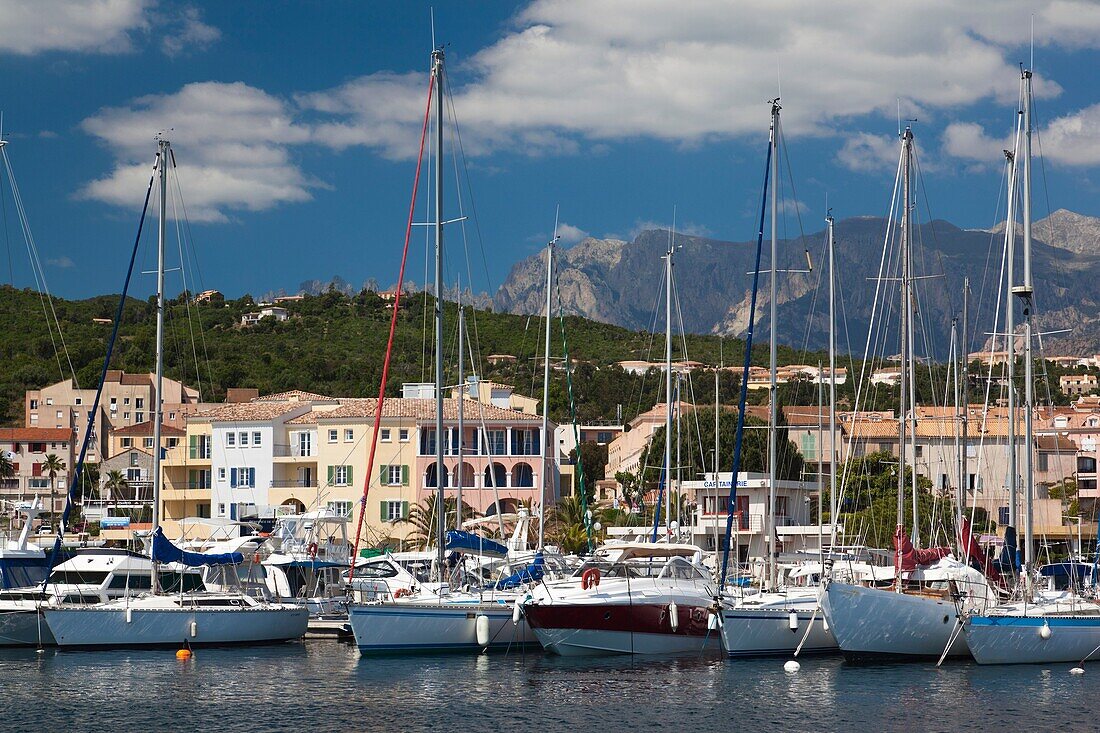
1065	569
165	552
530	574
474	544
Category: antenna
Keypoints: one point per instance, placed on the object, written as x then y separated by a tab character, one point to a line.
557	212
899	116
1032	42
778	80
431	13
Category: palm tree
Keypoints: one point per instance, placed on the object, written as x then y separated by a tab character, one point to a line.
422	517
116	483
7	468
53	466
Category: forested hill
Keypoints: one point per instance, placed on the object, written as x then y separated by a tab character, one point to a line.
334	344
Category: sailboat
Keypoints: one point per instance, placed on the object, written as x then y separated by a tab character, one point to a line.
917	616
781	618
436	616
1038	627
175	618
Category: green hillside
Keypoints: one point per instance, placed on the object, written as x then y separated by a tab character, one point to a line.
334	344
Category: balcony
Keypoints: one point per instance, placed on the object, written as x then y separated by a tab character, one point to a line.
296	451
294	484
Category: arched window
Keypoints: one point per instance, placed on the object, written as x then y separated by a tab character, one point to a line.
523	476
496	477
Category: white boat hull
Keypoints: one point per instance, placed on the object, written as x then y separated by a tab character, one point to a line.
748	632
1019	639
389	628
602	642
92	626
875	622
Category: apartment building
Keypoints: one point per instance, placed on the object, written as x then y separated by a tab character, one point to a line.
127	400
27	449
1075	385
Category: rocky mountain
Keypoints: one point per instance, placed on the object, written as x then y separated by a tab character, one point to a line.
620	282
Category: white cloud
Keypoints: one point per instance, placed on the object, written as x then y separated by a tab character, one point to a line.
63	262
1069	140
570	234
189	33
870	153
570	75
687	229
96	26
231	142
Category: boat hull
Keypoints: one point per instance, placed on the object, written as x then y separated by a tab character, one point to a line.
871	623
92	627
610	629
1018	639
24	628
410	628
758	632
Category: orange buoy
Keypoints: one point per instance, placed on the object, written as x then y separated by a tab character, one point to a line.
183	654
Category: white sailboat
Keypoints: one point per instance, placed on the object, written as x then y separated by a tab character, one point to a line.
780	619
173	619
917	615
1039	627
435	617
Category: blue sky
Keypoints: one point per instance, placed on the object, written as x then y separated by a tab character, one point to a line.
295	123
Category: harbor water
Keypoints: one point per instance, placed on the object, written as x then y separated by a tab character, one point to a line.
326	685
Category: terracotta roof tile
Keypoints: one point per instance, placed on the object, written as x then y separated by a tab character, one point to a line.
142	429
423	409
44	435
291	396
250	411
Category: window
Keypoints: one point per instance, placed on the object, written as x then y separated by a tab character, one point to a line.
231	439
403	435
242	478
1043	461
173	442
79	401
385	435
943	482
147	442
199	446
920	451
114	400
603	436
59	414
221	477
127	442
427	442
349	435
125	416
133	474
1002	516
139	416
343	508
395	475
34	404
243	437
133	459
256	438
125	400
339	475
49	400
392	511
333	435
34	419
139	403
525	442
221	508
496	442
172	418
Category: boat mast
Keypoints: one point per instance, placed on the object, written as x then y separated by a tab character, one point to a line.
546	395
1024	293
832	380
964	395
1010	339
461	408
773	388
440	469
903	380
158	410
668	380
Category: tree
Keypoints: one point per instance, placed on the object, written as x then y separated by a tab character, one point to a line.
423	518
53	466
115	484
7	468
593	460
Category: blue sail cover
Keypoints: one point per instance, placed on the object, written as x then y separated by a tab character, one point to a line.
472	543
165	552
530	574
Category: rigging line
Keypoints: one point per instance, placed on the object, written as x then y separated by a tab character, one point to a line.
393	330
691	383
70	496
7	232
567	365
39	273
197	270
188	295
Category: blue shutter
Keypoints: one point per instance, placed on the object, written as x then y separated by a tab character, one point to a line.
233	480
252	478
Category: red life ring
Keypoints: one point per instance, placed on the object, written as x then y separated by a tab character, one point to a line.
402	592
312	550
590	578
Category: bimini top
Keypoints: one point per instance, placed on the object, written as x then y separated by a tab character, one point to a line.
474	544
165	552
631	550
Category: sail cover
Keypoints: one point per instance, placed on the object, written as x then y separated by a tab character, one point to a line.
909	557
474	544
165	552
530	574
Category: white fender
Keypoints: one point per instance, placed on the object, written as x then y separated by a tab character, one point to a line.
481	628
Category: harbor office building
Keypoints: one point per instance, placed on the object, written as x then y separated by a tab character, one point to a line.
296	451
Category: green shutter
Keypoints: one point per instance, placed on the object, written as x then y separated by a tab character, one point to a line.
351	481
331	474
404	476
382	475
193	441
404	510
192	481
382	510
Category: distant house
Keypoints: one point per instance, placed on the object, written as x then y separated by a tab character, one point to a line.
273	311
1077	384
496	359
289	298
210	296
